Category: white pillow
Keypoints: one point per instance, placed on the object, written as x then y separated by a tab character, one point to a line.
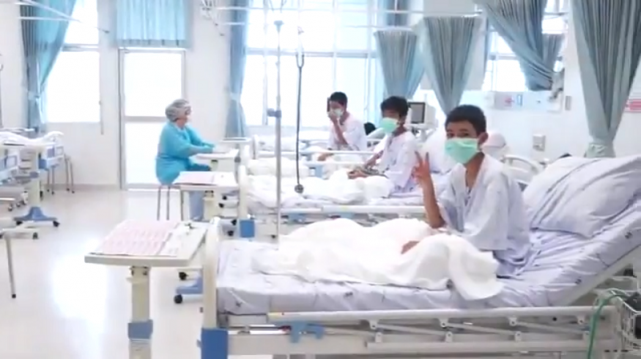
581	195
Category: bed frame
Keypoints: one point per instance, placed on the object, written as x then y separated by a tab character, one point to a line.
435	333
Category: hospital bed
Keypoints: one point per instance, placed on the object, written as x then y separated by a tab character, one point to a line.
298	210
538	312
248	313
36	155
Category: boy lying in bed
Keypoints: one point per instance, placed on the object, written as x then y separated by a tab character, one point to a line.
481	202
397	158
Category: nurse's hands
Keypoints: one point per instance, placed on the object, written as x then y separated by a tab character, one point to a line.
421	171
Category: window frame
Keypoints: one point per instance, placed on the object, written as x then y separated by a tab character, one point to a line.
337	52
122	53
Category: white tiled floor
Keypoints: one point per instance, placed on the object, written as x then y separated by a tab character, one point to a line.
67	309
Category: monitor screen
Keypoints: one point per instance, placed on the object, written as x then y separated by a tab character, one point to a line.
417	113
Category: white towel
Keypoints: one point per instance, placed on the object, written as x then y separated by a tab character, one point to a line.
343	251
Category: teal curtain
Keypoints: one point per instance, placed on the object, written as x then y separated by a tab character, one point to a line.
236	123
42	42
153	23
520	24
608	39
447	46
398	56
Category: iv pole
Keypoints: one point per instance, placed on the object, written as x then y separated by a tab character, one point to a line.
277	115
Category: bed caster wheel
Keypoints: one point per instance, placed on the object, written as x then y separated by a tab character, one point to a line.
182	275
18	223
56	224
230	233
13	296
35	236
234	222
42	194
220	205
224	198
178	299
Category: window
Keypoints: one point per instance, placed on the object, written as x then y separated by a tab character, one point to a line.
503	72
85	31
511	77
337	37
315	89
352	76
73	88
151	80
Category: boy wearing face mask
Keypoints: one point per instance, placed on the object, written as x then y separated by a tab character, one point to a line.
397	158
482	202
347	132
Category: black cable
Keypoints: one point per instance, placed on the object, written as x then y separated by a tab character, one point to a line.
300	63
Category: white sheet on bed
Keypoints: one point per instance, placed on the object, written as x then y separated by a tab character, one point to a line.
343	251
267	166
338	189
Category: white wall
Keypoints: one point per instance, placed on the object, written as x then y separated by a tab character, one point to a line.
95	148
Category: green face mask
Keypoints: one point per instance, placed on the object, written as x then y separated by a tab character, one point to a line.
389	125
461	149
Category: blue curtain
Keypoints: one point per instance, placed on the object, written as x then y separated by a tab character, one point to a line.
608	37
448	44
520	24
153	23
398	55
42	42
236	124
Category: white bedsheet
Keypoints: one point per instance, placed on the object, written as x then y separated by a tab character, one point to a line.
267	166
338	189
341	250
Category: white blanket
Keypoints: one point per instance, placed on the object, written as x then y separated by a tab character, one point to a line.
343	251
267	166
338	189
49	138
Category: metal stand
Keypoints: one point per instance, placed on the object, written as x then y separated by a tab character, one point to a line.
141	326
35	214
278	116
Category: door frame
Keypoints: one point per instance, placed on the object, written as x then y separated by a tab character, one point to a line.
124	119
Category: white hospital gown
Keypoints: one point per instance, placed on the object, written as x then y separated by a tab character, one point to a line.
354	133
398	160
491	214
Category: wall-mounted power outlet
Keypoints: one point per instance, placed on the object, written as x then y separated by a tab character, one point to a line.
538	142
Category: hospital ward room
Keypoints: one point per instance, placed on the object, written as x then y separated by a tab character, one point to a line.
320	179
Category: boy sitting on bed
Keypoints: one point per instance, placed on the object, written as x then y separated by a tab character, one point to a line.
481	202
397	157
